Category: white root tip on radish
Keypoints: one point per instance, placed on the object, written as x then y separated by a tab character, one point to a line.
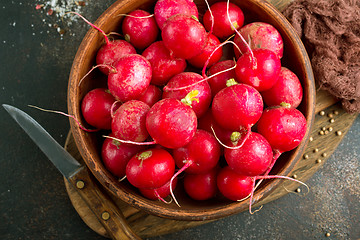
67	115
112	69
122	179
128	15
187	164
162	199
130	142
212	53
261	178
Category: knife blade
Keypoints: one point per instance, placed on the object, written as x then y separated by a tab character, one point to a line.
78	175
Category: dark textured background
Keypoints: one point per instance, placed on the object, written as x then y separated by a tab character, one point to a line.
34	64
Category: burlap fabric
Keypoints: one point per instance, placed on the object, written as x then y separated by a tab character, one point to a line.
330	31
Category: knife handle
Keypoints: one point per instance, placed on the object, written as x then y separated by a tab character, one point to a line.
102	206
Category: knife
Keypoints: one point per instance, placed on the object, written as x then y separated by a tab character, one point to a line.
78	175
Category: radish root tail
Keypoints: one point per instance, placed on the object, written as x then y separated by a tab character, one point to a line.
67	115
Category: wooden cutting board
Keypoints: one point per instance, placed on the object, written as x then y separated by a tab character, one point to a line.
331	124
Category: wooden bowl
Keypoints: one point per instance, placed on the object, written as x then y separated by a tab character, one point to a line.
89	144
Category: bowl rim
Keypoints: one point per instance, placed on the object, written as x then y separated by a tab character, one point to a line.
189	214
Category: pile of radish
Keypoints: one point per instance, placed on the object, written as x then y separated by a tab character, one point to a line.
176	106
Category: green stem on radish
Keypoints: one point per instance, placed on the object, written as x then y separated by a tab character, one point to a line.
248	132
231	82
190	97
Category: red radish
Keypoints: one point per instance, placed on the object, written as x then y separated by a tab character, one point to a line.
115	155
236	107
132	77
200	155
96	108
184	36
259	69
158	193
164	9
287	89
220	25
284	128
239	187
260	35
218	82
150	169
201	186
207	123
197	96
109	53
253	158
163	65
129	122
140	29
207	54
234	186
171	123
151	95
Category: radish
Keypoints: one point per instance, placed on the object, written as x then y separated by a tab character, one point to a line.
237	108
115	155
215	21
96	108
131	79
253	158
210	54
164	9
140	29
109	53
150	169
239	187
151	95
163	65
112	51
287	89
259	69
184	36
129	122
171	123
200	155
158	193
201	186
259	35
197	96
283	127
218	82
234	186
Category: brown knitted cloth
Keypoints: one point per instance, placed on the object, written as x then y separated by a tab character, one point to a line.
330	31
